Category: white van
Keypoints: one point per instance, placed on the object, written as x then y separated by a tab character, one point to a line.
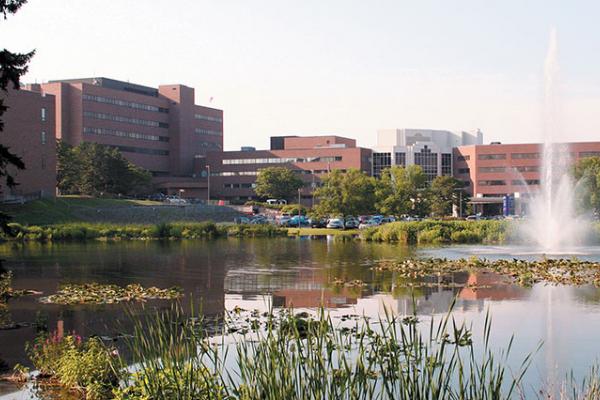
277	201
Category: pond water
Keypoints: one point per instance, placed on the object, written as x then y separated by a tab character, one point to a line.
299	272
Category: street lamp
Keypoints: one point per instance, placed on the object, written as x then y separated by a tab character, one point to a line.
299	206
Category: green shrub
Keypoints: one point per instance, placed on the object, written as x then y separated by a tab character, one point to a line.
77	364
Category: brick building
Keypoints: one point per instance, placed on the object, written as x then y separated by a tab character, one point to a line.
29	133
493	171
159	129
233	173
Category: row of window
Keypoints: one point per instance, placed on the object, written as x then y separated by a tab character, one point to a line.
514	156
128	120
210	145
516	182
208	118
239	185
281	160
524	168
123	103
141	150
128	135
255	173
201	131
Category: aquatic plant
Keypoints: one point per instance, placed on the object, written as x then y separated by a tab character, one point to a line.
524	272
96	293
298	356
82	231
87	366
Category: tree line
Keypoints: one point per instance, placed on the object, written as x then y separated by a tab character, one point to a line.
399	190
97	170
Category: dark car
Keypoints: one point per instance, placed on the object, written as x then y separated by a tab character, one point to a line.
317	223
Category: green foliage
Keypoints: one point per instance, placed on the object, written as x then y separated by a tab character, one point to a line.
5	286
82	231
277	183
287	356
346	193
587	173
76	364
95	169
294	208
445	192
436	232
402	191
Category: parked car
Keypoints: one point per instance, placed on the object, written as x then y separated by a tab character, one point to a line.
335	223
317	223
241	220
351	223
175	200
473	218
368	224
277	201
363	218
298	221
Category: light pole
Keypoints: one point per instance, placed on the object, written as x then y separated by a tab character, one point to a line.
299	206
208	185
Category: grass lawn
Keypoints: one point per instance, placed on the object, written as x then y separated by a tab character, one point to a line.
64	209
320	232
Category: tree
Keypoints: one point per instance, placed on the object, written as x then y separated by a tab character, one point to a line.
444	193
95	169
346	193
12	67
587	174
402	190
277	183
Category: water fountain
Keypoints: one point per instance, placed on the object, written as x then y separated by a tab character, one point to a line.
553	226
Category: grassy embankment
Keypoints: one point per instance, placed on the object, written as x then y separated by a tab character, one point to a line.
77	209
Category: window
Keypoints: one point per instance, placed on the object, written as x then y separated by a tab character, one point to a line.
428	161
43	137
528	168
492	157
43	114
123	103
141	150
208	118
491	183
589	154
463	158
464	170
381	161
401	159
43	162
207	132
528	156
528	182
127	120
446	164
492	169
466	183
276	160
128	135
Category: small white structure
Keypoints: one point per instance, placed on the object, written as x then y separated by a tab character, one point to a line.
429	148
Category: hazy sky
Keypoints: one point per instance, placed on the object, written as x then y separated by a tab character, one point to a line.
332	66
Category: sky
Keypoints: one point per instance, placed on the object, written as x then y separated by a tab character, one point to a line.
345	67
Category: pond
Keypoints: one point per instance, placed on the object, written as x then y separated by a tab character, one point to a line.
301	272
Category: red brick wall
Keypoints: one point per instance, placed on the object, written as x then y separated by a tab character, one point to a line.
23	135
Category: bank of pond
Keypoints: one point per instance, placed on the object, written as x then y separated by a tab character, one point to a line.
418	232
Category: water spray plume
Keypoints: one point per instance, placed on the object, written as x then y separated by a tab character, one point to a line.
553	225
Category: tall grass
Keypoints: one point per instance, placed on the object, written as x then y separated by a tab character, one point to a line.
440	232
288	356
90	231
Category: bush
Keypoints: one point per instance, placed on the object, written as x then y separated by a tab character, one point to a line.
77	364
435	232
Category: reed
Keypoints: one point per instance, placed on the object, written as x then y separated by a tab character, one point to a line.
287	356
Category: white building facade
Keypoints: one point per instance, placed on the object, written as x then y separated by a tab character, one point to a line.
431	149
